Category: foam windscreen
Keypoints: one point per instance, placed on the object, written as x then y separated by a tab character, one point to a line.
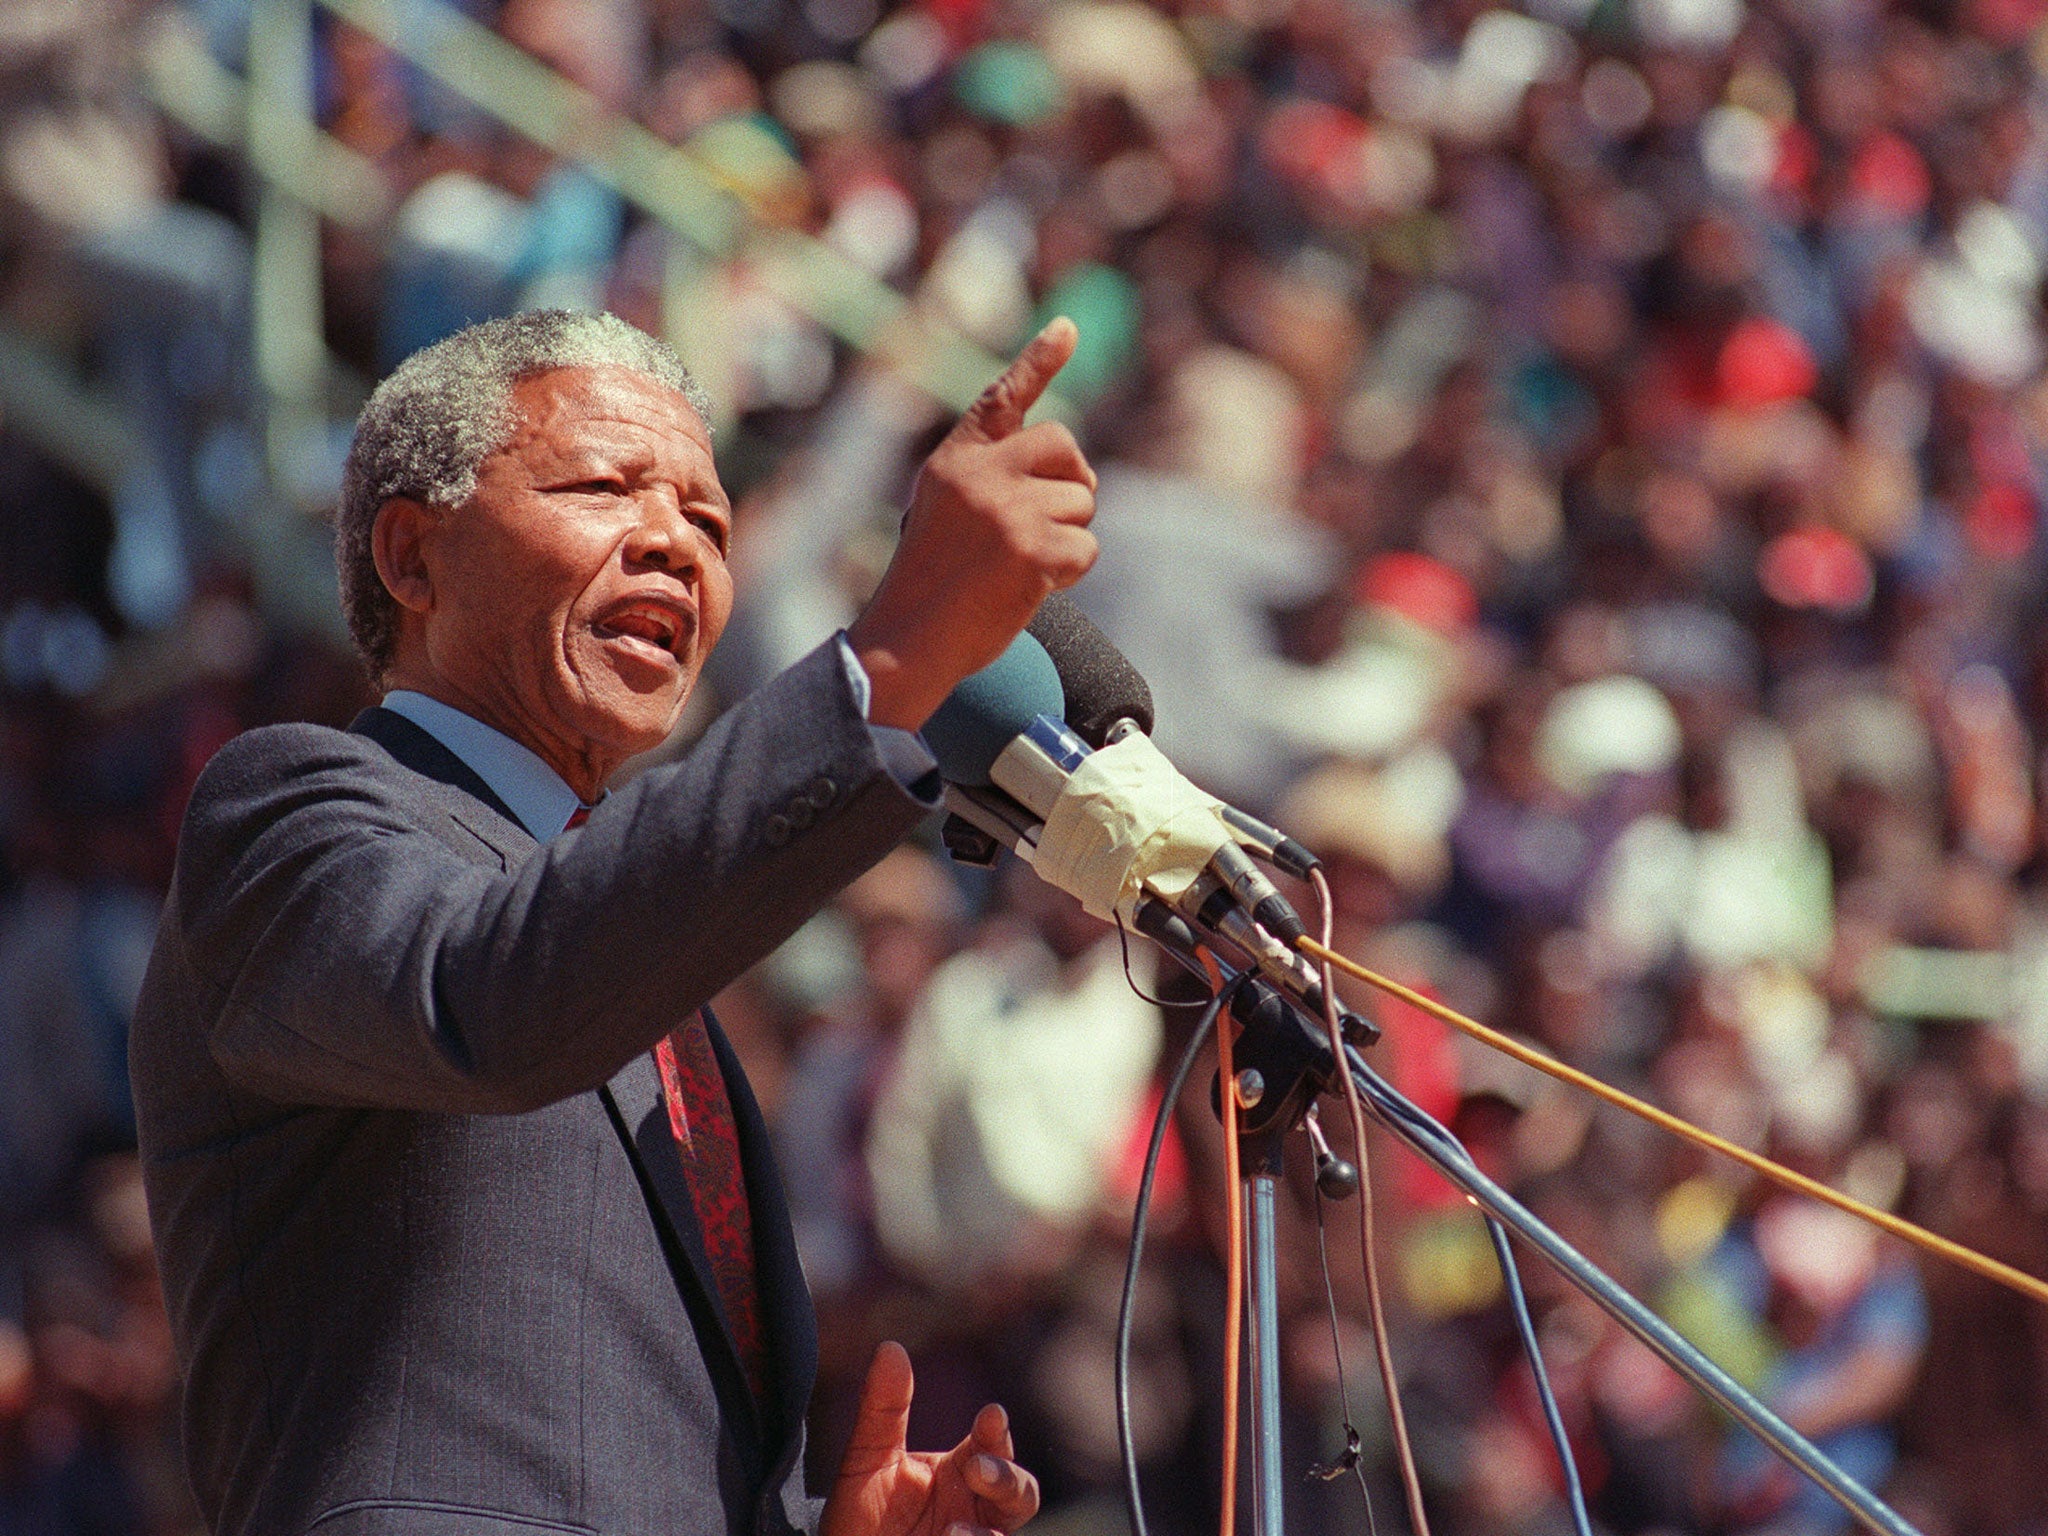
1101	685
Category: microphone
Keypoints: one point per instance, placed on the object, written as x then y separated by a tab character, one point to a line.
1009	760
1102	688
1179	939
1271	844
989	710
1106	697
1105	826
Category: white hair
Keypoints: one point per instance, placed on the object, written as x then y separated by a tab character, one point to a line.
442	412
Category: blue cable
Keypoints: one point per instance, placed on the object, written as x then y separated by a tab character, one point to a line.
1437	1145
1525	1329
1519	1305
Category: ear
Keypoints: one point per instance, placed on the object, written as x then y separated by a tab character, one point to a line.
398	538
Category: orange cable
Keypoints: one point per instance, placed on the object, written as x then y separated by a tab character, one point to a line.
1404	1450
1989	1268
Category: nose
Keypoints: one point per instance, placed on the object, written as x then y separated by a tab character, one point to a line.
661	537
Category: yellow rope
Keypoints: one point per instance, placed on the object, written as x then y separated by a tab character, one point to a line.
1990	1268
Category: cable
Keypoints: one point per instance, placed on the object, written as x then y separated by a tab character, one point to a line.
1437	1146
1233	1286
1123	938
1411	1482
1349	1461
1126	1443
1989	1268
1525	1330
1518	1304
1233	1306
1511	1279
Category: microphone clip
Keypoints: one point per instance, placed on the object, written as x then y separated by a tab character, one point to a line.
968	844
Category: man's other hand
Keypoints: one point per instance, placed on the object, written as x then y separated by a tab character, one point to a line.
885	1490
998	519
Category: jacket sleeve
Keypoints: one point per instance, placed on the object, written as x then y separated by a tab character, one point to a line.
349	956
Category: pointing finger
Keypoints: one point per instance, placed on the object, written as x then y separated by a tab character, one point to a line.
1001	408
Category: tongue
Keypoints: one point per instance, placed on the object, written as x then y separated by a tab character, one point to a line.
640	628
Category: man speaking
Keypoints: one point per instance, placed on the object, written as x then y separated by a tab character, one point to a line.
466	1217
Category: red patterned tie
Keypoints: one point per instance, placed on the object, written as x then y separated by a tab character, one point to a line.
700	1115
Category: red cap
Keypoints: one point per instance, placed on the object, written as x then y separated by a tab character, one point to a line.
1420	589
1763	363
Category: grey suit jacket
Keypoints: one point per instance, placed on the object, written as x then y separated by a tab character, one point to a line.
431	1262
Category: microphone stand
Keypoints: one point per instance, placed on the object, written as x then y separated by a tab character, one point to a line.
1449	1157
1261	1180
1280	1069
1283	1062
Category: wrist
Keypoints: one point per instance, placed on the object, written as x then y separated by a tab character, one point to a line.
899	693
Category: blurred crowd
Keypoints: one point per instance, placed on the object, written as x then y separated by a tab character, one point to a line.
1577	465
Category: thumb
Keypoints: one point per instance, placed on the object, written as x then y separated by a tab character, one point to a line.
883	1419
1001	407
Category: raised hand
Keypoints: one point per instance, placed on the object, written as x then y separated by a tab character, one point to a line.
998	519
885	1490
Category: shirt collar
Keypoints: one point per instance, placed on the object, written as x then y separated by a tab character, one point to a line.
531	790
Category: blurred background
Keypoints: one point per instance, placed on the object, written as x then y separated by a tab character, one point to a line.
1577	465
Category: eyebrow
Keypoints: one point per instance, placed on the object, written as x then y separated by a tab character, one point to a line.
632	459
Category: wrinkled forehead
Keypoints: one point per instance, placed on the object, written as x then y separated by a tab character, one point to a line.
594	404
602	390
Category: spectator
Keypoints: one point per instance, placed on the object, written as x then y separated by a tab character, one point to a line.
1579	466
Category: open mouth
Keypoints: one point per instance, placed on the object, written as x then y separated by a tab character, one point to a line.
650	625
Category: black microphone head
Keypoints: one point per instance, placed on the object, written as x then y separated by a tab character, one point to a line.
1101	685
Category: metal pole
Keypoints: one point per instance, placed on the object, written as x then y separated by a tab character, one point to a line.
1261	1184
285	269
1436	1144
1448	1156
678	188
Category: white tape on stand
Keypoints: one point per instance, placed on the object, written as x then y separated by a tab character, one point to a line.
1125	822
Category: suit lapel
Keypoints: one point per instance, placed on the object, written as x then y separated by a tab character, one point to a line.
633	1097
633	1101
491	822
785	1298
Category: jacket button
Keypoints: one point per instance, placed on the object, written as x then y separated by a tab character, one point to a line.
800	814
823	792
776	833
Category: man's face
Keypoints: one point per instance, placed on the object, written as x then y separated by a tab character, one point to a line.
576	594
